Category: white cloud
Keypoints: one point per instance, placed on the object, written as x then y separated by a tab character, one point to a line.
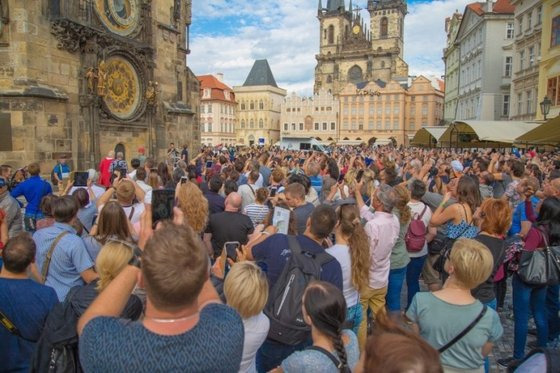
286	33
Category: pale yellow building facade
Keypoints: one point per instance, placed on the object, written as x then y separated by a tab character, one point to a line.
315	116
389	111
259	106
218	110
549	67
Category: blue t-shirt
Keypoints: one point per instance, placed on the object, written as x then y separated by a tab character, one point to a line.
27	304
69	259
215	344
313	361
273	254
33	189
60	169
317	183
519	216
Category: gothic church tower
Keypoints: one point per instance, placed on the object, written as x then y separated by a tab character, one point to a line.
349	52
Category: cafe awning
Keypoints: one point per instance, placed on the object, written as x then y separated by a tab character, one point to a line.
427	136
505	132
546	133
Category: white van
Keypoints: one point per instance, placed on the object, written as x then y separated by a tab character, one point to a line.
301	143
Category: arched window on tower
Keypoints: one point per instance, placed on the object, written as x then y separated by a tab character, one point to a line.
261	123
331	34
384	26
252	106
251	124
355	74
261	105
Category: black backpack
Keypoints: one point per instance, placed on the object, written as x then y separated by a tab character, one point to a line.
285	301
57	348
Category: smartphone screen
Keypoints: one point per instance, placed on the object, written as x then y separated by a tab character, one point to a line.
162	204
231	249
80	179
273	192
209	164
301	162
359	176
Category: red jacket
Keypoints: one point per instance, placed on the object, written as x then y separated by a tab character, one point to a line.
104	174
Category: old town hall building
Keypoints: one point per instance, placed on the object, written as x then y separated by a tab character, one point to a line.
353	52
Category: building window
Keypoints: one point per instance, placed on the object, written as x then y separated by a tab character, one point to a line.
529	20
521	60
252	106
209	127
370	124
324	126
555	32
539	15
379	124
252	124
243	123
520	26
261	123
531	56
243	105
412	126
331	34
293	126
261	105
396	124
424	109
333	126
383	27
505	107
285	126
552	90
509	30
529	95
288	110
316	126
519	104
508	66
301	126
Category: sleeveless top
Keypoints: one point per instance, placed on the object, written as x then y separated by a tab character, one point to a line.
463	229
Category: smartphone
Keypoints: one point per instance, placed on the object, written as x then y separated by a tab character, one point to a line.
301	162
163	201
231	249
209	164
340	177
184	179
80	179
273	192
359	176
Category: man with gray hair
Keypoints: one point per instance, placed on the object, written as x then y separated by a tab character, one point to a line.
382	229
11	208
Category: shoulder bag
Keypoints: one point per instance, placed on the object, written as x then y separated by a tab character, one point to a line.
337	363
465	331
542	266
10	326
46	264
445	248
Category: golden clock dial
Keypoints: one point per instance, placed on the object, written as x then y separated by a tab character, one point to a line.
356	29
119	16
122	94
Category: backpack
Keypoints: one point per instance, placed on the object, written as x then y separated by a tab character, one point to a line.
415	237
57	348
539	360
284	307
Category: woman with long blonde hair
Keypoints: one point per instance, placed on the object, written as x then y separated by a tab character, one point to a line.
193	204
399	254
351	250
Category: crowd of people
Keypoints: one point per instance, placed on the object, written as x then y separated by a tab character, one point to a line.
279	260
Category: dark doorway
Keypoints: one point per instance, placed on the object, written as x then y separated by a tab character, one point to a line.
120	149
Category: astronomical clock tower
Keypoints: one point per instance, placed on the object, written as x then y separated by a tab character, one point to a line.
82	77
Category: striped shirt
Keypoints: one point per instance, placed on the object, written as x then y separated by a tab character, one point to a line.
257	213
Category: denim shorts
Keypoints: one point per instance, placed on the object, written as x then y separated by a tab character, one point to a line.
353	317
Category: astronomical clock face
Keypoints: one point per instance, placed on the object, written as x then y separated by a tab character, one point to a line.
356	29
123	91
119	16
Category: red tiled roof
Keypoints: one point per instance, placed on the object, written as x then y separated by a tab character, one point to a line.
217	87
503	6
500	6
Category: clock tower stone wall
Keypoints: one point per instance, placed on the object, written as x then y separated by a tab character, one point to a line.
78	83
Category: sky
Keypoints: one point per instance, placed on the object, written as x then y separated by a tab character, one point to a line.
227	36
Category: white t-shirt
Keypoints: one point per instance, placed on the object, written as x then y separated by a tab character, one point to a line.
248	195
132	216
342	255
256	330
416	209
97	191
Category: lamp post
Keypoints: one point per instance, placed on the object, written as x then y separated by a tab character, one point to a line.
545	106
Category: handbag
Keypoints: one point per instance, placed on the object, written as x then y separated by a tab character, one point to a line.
542	266
439	264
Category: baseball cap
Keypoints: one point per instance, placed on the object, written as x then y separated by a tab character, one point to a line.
3	182
457	166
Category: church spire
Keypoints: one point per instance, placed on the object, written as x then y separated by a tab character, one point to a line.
350	7
320	8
